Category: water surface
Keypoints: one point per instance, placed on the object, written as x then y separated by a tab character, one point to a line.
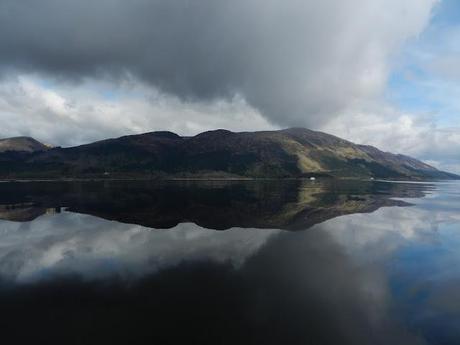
271	262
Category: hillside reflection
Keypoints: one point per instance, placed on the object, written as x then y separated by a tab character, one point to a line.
382	277
288	205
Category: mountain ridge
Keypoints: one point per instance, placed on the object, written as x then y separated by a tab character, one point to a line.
286	153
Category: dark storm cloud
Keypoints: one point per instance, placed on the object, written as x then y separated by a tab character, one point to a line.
295	61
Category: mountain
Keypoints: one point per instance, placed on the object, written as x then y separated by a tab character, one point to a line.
289	153
21	144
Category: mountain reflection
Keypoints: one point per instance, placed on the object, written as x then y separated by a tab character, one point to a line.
295	288
289	205
380	275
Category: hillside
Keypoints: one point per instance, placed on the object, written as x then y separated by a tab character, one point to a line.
288	153
21	144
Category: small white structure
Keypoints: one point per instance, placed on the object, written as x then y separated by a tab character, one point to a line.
312	178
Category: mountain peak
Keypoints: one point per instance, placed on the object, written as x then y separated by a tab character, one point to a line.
214	132
164	135
22	144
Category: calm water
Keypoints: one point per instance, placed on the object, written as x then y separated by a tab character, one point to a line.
230	263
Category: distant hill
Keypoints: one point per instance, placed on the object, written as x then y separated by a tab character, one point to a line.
289	153
24	144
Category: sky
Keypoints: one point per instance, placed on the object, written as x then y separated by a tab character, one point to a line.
378	72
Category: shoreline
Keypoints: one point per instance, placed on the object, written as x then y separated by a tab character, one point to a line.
210	179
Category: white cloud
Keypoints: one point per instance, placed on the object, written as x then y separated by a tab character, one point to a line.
71	114
417	135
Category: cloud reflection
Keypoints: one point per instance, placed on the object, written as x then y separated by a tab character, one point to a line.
386	277
91	247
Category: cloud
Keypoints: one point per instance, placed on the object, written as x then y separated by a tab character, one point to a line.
296	62
66	115
74	72
409	133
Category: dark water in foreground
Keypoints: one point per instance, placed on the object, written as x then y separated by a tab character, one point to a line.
230	263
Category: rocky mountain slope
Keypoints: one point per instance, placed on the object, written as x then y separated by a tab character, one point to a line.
288	153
